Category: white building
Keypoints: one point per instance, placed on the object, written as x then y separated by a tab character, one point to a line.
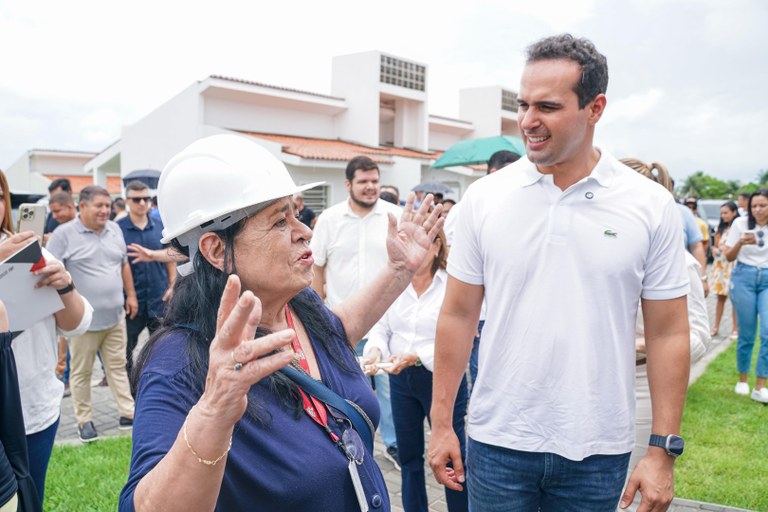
37	168
378	106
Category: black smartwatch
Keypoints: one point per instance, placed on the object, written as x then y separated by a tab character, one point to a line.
672	444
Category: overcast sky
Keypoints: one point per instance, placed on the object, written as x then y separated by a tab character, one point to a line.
687	77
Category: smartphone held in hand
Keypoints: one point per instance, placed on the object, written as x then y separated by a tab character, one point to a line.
32	218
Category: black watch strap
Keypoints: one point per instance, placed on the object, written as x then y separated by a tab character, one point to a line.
672	444
67	289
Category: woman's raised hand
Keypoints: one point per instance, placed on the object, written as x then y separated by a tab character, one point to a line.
408	243
236	359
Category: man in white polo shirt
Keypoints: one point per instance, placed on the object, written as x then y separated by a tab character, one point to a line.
551	421
349	247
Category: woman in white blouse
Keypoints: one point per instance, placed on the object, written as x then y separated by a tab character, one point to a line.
747	243
405	338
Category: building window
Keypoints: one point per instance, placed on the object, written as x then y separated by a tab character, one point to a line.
317	198
402	73
508	100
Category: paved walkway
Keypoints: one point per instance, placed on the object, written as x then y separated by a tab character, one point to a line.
106	418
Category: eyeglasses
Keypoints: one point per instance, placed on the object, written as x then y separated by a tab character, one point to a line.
760	238
138	200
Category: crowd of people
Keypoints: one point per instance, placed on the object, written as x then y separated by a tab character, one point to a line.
284	338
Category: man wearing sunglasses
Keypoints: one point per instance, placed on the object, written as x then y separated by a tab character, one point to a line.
152	280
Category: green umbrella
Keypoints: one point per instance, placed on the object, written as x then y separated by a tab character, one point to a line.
478	151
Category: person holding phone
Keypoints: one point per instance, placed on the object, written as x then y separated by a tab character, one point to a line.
36	349
747	245
405	339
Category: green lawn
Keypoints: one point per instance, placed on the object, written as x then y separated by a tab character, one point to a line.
87	478
726	436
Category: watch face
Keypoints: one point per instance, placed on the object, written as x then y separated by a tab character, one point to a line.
675	445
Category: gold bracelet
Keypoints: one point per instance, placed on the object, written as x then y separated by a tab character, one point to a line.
199	458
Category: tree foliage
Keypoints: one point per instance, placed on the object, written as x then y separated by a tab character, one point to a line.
704	186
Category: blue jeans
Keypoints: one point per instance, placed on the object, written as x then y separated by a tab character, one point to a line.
381	385
473	355
749	294
411	402
39	447
500	479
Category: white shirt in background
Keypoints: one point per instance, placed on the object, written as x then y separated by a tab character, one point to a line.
36	351
409	325
749	254
352	249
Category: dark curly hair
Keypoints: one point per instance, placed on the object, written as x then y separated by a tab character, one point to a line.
594	65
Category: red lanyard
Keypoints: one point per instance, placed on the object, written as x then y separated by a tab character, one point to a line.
315	408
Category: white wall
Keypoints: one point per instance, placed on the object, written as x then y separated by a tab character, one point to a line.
411	124
153	140
439	140
236	115
27	172
356	79
482	106
19	177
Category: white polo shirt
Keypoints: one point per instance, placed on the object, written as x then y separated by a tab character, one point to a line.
352	249
563	273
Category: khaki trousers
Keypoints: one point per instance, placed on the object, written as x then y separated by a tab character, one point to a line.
111	343
12	505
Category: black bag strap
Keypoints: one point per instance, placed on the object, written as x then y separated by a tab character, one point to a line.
325	394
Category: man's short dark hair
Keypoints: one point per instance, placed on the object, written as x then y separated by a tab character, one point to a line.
452	201
62	183
594	65
62	198
119	203
91	191
388	197
501	158
360	163
136	185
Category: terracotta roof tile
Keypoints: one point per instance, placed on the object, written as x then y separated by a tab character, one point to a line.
80	182
334	149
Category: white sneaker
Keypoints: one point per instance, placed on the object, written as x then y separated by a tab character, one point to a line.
742	388
760	395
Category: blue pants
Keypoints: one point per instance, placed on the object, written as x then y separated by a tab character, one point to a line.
39	447
749	294
381	385
473	355
500	479
411	402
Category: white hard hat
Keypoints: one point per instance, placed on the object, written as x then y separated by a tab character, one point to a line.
215	182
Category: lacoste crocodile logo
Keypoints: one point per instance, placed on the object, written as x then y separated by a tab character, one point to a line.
610	233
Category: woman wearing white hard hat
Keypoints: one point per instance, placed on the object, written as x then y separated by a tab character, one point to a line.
217	426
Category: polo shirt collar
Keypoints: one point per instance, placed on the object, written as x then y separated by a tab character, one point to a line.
80	226
602	173
377	208
150	223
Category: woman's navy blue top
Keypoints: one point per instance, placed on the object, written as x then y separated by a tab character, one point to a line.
9	386
281	463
